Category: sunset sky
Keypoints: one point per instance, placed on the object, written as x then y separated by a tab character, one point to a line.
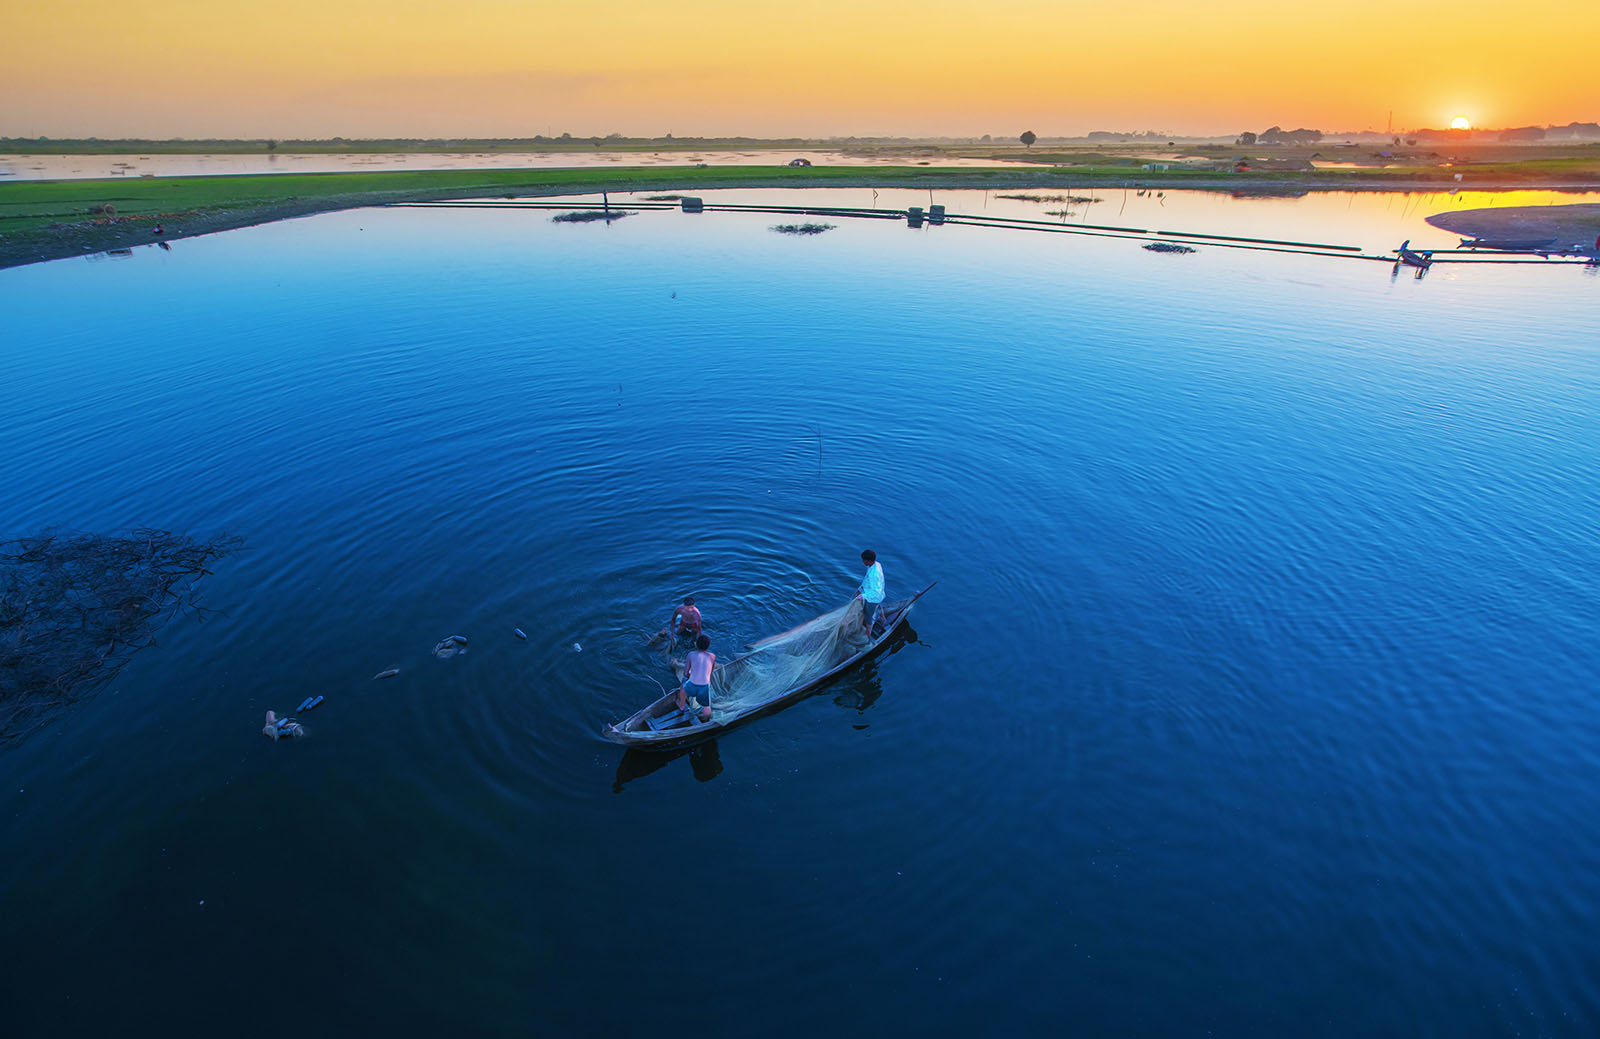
504	68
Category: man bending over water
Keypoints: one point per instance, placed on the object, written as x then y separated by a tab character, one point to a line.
685	621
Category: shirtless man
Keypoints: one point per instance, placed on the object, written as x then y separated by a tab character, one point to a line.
697	681
685	621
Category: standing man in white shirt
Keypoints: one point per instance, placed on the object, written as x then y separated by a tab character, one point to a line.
871	590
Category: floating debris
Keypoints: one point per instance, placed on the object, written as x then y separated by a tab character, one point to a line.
281	728
450	646
1077	200
803	228
1169	247
308	703
584	216
386	674
577	648
519	633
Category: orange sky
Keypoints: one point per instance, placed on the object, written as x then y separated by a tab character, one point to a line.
365	68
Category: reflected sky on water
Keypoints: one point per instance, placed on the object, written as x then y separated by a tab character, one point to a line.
1255	694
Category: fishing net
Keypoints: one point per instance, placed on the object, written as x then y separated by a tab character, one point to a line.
778	664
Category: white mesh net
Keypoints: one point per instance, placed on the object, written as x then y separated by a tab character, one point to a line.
778	664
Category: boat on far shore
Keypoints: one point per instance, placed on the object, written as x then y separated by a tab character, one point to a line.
1421	259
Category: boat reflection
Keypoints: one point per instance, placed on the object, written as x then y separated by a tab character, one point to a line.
705	761
856	690
860	689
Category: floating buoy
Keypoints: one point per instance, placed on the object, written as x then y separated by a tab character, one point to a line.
518	632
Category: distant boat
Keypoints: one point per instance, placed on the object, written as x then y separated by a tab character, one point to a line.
1420	259
1509	245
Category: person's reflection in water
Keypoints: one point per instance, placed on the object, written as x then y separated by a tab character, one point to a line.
705	761
860	690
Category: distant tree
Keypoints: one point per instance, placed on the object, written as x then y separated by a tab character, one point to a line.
1028	137
986	138
272	146
1246	138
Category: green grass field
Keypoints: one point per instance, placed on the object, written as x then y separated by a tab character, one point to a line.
32	205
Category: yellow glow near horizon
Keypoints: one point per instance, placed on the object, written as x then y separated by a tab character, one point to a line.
323	68
1461	122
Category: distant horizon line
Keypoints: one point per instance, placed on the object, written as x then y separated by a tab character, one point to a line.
1146	135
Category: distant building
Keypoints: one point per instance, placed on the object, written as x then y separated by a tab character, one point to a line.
1582	131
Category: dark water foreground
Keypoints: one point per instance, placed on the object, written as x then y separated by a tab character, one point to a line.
1256	696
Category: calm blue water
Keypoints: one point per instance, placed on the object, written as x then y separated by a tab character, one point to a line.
1256	695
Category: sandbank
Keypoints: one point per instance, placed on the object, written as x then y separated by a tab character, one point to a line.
1575	225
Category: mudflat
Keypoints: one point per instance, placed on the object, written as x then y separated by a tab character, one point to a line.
1574	225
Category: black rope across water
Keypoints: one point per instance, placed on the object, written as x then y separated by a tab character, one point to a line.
1308	250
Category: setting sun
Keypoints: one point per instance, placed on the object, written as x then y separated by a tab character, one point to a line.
1461	122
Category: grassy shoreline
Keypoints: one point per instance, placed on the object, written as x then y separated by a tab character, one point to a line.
46	220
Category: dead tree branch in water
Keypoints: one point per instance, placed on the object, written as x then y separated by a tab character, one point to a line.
74	608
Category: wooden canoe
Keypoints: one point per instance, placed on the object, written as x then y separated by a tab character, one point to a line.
662	726
1421	259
